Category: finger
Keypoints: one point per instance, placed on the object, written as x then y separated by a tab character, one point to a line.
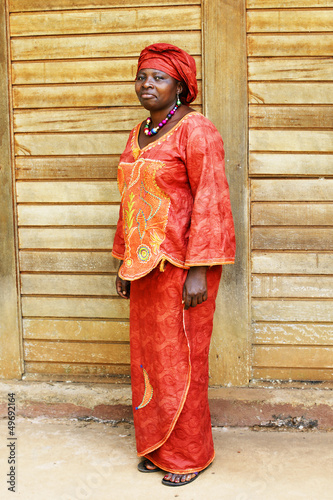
205	296
187	302
194	301
184	294
199	299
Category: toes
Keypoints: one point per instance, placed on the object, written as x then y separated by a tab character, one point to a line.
168	477
176	478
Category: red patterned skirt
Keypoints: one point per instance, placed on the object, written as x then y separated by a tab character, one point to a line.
169	370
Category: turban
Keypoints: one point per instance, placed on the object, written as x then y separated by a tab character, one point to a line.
176	63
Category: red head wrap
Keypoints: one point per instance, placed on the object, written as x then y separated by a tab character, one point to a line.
175	62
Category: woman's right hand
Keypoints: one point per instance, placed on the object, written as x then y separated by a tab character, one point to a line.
123	287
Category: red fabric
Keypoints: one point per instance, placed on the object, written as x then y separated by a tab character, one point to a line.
175	62
169	369
175	200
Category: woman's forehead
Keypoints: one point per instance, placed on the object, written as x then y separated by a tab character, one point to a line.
153	71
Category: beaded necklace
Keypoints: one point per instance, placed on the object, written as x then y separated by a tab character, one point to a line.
154	130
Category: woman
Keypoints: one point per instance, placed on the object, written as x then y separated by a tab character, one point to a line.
175	230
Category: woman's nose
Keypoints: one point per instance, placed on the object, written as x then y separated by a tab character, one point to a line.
148	83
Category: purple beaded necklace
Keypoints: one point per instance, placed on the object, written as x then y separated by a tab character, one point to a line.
154	130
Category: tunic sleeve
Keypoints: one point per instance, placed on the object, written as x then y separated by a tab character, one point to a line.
211	238
118	249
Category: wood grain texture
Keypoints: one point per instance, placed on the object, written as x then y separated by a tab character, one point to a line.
119	45
292	189
77	330
67	284
290	69
310	44
67	192
73	238
292	214
70	167
291	374
82	352
292	263
313	117
290	93
68	215
38	5
80	372
289	165
289	356
284	4
291	140
135	19
280	21
293	310
292	238
72	307
292	333
68	262
292	286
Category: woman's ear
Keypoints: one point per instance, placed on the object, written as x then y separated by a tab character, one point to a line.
179	88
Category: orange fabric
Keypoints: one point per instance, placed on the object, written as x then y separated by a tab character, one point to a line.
169	370
175	200
175	62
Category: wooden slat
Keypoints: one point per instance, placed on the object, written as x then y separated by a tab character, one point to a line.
290	45
290	93
290	69
292	238
302	164
82	352
291	140
107	143
292	214
68	215
292	333
78	47
292	286
77	71
293	310
307	357
292	263
261	116
66	238
140	19
79	330
80	372
297	374
35	5
292	190
70	307
67	284
66	262
70	167
289	20
67	192
282	4
83	95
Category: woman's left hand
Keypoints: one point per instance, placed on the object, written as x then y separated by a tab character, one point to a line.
195	287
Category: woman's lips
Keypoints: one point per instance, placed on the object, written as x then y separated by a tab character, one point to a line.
147	96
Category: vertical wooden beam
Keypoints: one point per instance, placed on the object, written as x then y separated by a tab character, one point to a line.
10	335
225	104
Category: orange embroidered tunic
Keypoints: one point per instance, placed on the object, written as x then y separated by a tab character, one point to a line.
174	200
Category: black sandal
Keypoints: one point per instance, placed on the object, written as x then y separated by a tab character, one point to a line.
142	466
180	483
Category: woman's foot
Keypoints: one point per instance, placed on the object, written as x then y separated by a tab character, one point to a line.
147	466
179	479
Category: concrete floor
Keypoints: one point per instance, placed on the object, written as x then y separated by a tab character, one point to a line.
61	459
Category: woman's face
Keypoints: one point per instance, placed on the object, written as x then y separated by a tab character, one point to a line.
156	90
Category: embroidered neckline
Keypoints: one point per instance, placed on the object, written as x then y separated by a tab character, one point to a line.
137	151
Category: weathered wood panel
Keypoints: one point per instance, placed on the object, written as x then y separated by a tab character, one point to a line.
78	330
290	69
73	307
292	214
297	374
67	284
107	21
70	167
68	215
290	165
281	4
292	263
82	352
312	117
36	5
292	190
292	286
65	238
78	372
68	262
292	333
67	192
290	93
280	21
119	45
310	44
293	310
289	356
292	238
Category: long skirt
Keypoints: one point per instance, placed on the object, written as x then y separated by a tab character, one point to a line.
169	370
